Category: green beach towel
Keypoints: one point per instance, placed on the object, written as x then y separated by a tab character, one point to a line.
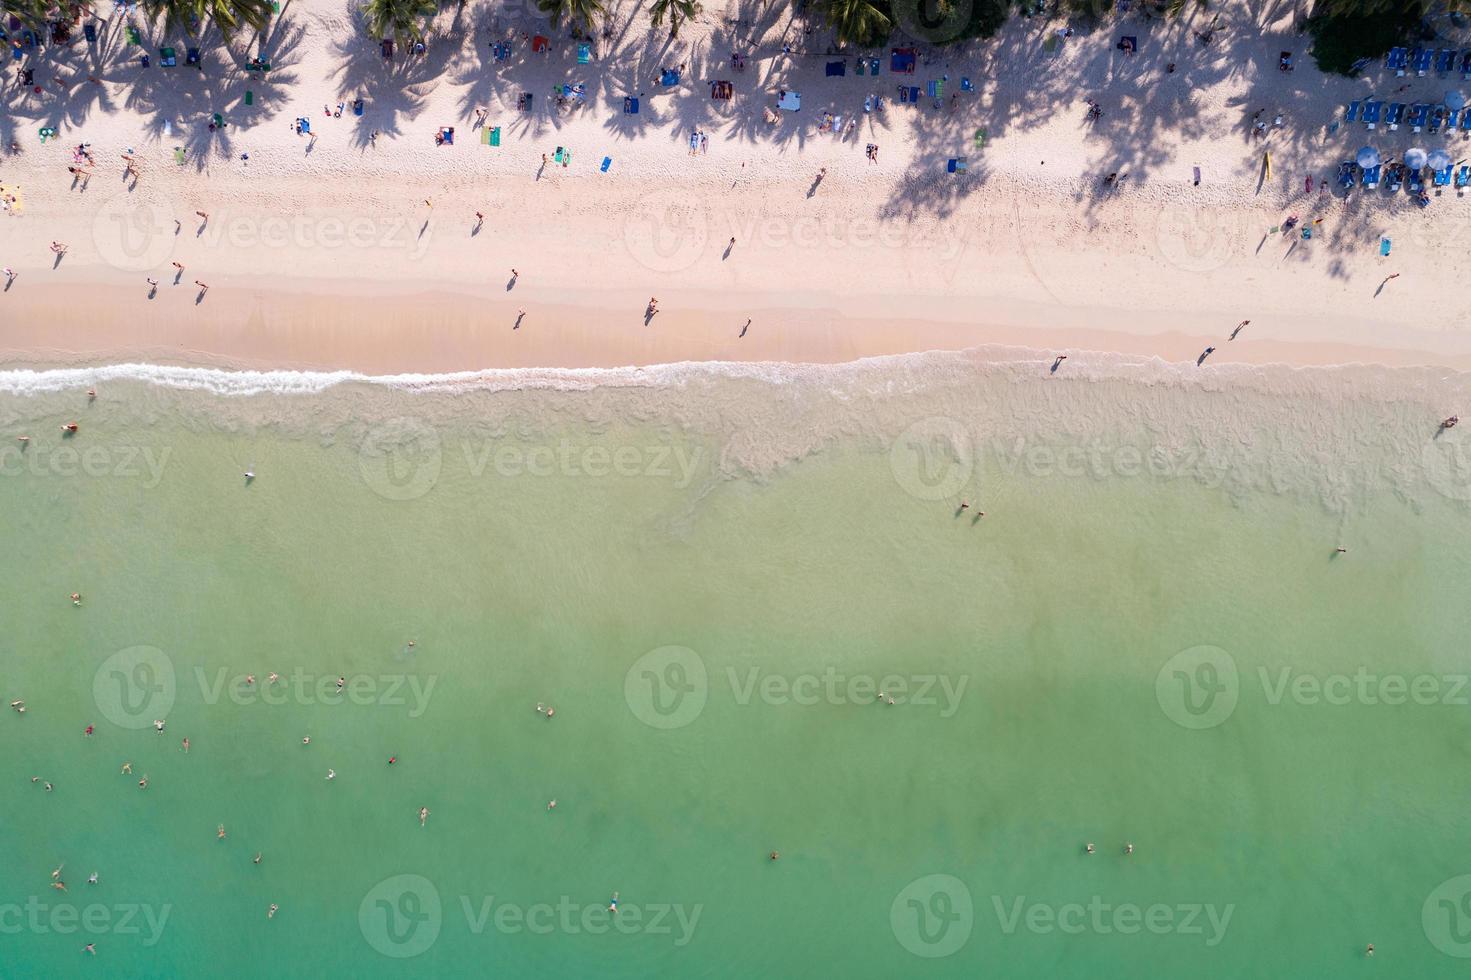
249	97
490	135
178	156
133	37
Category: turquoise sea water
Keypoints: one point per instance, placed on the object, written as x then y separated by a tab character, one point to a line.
1170	654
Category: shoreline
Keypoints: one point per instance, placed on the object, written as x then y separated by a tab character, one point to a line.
381	331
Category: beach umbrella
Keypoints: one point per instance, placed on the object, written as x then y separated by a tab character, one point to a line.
1455	99
1415	158
1439	159
1367	157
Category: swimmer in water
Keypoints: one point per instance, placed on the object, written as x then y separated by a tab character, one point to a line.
69	427
127	769
48	786
18	705
76	598
271	912
90	948
158	725
341	681
306	740
1369	950
59	885
56	875
423	815
143	783
1088	847
92	878
775	855
273	677
331	773
552	805
256	859
249	475
186	745
88	730
91	394
250	678
613	904
1128	848
220	834
392	759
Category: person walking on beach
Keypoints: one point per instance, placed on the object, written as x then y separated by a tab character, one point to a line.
203	216
59	248
202	287
9	275
1238	329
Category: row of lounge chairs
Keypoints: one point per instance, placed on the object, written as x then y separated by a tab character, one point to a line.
1419	115
1422	60
1397	175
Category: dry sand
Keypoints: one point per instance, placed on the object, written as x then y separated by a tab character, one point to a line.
321	252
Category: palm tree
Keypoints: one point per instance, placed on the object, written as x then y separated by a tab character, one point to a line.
400	20
582	13
679	11
855	21
32	13
228	15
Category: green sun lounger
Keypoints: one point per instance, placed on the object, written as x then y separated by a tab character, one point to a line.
490	135
980	138
179	155
168	58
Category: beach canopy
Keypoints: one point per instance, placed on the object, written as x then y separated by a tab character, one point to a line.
1415	158
1367	157
1439	159
1455	99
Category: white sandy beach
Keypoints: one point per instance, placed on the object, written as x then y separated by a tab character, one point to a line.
321	252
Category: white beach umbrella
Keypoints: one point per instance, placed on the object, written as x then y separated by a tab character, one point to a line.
1439	159
1455	99
1367	157
1415	158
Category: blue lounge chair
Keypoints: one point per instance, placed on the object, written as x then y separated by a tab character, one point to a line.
1466	65
1396	60
1371	176
1422	59
630	106
304	124
1419	112
1442	177
607	162
1436	117
1416	181
1463	175
1370	114
1352	113
1451	117
1445	61
1394	181
584	53
1466	123
1395	115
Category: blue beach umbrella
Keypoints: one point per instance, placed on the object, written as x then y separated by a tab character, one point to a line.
1455	99
1439	159
1415	158
1367	157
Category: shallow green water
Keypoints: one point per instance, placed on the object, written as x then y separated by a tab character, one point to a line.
712	647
